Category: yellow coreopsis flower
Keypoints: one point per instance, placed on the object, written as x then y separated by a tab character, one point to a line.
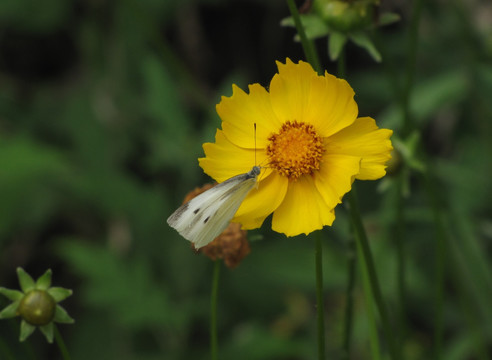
309	141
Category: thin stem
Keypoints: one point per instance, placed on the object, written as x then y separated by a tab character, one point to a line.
318	254
399	238
410	69
473	275
368	295
362	241
440	259
61	344
349	295
474	327
307	45
213	312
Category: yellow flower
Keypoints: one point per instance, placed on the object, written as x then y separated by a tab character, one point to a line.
309	142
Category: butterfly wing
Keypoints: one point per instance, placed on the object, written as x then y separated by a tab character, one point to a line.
204	217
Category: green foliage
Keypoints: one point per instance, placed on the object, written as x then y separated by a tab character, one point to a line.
32	170
104	107
123	289
48	15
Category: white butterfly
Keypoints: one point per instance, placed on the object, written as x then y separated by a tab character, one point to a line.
204	217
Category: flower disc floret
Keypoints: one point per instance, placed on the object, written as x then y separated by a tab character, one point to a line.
295	150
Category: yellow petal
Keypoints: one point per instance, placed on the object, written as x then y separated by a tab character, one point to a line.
289	90
241	111
298	93
303	209
224	160
262	201
365	140
335	177
331	105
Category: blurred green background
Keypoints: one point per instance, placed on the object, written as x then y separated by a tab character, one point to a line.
104	106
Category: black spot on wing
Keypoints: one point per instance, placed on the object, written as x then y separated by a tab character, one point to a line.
196	211
205	221
179	211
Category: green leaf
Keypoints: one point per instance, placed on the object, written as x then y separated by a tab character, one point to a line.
314	26
44	281
362	40
48	331
336	43
59	293
25	280
11	294
26	329
10	311
61	316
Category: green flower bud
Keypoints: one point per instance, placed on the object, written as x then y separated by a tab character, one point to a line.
393	166
37	307
344	16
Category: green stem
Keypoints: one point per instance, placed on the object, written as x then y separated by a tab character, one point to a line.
362	241
213	312
410	70
349	295
473	275
318	254
368	295
399	238
61	344
307	45
467	305
440	259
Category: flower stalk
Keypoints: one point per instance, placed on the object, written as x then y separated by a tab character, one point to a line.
349	296
213	312
369	304
61	345
362	242
307	45
320	305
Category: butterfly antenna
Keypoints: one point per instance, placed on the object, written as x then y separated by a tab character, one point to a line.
255	142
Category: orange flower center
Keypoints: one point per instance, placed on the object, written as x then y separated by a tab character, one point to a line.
295	150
